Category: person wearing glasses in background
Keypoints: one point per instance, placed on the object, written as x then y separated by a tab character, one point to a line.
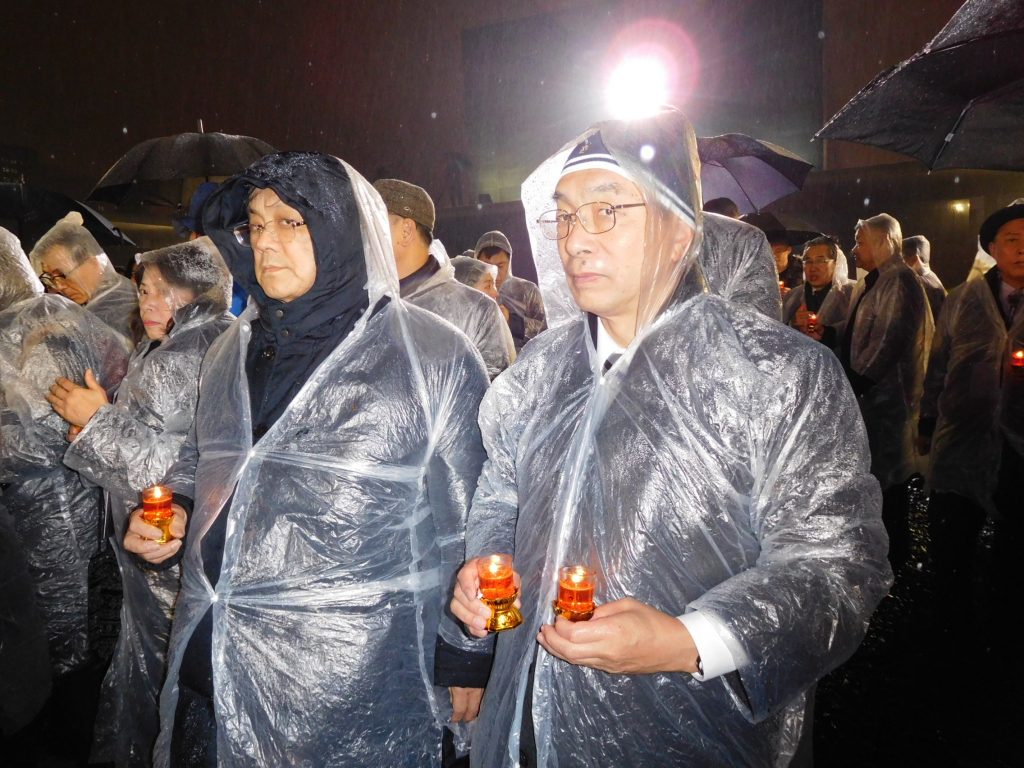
821	303
709	467
70	262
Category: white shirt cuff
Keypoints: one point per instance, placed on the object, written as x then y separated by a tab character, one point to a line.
715	657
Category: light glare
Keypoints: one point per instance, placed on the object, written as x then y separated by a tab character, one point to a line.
638	87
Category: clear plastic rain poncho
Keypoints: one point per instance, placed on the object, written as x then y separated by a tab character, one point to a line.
24	660
56	515
519	296
892	334
114	299
720	465
470	271
470	311
346	518
738	265
974	393
130	445
834	308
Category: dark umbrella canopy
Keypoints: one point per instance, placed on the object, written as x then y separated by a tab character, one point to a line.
958	103
29	212
176	158
750	172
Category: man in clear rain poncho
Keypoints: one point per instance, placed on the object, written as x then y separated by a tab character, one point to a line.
883	345
917	253
337	454
526	314
737	264
825	292
129	445
426	278
706	462
55	514
972	417
70	262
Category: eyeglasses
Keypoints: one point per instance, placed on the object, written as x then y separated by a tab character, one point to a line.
595	218
247	234
816	262
50	278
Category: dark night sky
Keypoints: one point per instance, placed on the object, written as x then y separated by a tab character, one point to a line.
388	85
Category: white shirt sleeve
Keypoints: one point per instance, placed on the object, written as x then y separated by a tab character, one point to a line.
715	657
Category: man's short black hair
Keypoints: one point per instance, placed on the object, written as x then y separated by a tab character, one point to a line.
722	206
491	251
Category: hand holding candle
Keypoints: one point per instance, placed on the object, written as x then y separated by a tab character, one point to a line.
1017	358
156	510
812	322
575	593
498	590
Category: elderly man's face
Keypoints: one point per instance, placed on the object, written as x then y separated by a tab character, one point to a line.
1008	251
819	266
500	260
866	249
284	258
604	271
60	274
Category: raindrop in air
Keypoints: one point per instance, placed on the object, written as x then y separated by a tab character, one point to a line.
867	201
124	130
956	179
647	153
433	115
821	34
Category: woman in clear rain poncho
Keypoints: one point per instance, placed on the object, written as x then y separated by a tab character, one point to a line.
131	444
483	276
826	289
337	453
70	262
55	513
703	460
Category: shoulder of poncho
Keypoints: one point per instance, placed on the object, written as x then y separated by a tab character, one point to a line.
768	345
533	364
719	228
436	339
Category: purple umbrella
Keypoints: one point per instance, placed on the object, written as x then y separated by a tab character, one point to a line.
750	172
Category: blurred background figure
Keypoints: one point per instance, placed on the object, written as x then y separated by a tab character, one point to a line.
70	262
723	206
825	292
917	252
526	315
483	277
427	279
787	267
883	347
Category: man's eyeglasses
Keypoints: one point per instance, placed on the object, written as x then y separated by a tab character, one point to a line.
816	262
285	229
595	218
52	277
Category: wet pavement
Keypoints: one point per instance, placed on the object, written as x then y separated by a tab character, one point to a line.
918	692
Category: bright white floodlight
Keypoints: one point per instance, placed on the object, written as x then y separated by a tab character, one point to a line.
638	87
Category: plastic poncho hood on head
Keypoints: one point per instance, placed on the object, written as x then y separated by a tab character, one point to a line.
319	187
17	280
470	271
660	155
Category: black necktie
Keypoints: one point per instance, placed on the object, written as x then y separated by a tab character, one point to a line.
612	358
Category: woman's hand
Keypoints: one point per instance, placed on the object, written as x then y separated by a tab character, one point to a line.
75	404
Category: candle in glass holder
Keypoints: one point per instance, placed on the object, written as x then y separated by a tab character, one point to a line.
575	593
812	322
156	510
1017	358
782	286
498	590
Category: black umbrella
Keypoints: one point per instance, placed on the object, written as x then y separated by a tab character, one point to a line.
750	172
958	103
150	170
29	212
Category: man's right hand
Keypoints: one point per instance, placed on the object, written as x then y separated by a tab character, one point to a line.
142	538
466	606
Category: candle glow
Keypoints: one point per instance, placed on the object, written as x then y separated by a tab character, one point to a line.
156	510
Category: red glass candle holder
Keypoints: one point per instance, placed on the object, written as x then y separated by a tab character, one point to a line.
812	322
498	590
156	510
575	593
1017	358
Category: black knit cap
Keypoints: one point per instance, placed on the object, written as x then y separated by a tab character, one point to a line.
994	223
